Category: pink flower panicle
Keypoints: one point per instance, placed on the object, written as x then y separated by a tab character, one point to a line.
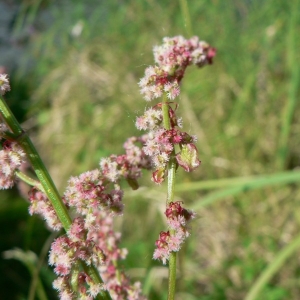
160	142
11	158
163	141
96	196
4	84
171	241
172	58
97	245
64	255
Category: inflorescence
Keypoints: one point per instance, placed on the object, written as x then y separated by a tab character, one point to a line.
172	59
95	197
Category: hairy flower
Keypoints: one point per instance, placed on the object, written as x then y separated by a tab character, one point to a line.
96	197
171	241
172	58
40	204
4	84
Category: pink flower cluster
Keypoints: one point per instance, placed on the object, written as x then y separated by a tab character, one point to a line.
165	140
11	158
128	165
161	143
117	283
171	241
65	253
40	204
172	58
95	197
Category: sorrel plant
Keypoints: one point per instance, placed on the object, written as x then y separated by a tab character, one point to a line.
87	256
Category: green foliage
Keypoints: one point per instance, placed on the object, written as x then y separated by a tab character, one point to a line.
243	109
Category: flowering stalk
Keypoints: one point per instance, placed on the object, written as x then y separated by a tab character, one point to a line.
89	250
165	137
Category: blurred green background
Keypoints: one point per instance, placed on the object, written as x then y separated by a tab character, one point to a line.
74	67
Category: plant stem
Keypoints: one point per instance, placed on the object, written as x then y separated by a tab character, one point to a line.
170	197
45	180
172	275
29	180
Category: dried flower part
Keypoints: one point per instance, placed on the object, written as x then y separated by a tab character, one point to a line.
188	157
171	241
40	204
11	158
4	84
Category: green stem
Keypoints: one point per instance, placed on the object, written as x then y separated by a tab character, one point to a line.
172	275
165	111
29	180
170	197
45	180
186	17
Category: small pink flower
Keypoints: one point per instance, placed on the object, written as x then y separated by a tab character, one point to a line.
40	204
4	84
177	218
11	158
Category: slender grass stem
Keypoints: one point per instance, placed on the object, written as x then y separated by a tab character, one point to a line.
293	88
273	268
